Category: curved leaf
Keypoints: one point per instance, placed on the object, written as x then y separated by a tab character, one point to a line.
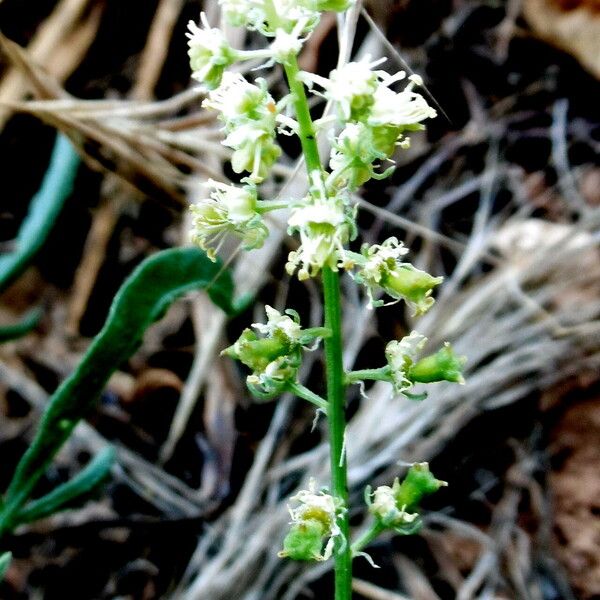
142	299
60	498
4	564
23	327
44	207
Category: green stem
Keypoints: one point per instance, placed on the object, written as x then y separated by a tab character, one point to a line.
381	374
336	396
306	394
306	127
367	537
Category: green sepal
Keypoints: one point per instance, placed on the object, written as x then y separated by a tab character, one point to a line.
333	5
74	491
415	397
409	528
304	541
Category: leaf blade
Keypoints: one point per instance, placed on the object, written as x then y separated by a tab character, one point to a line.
142	299
83	483
44	208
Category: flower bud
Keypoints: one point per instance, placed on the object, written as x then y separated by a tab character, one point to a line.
412	285
444	365
210	53
418	483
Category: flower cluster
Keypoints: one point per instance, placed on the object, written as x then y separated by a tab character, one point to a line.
275	355
314	525
397	507
250	117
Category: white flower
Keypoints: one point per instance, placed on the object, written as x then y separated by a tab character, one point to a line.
401	355
210	53
381	257
286	45
242	13
276	322
400	109
353	86
250	116
228	208
236	98
325	225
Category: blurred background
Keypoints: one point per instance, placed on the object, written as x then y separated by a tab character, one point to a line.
501	195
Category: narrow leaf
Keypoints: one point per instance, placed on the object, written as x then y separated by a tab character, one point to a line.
4	564
23	327
61	497
43	210
142	299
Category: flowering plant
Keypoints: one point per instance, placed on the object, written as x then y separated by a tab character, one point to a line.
371	120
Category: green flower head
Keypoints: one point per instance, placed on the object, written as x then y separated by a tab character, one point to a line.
314	525
273	351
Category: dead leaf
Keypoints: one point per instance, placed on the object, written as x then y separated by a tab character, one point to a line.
571	25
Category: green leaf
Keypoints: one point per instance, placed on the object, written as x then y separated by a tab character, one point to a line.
23	327
60	498
44	208
4	564
142	299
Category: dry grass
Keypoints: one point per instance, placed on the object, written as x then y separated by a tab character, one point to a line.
521	301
